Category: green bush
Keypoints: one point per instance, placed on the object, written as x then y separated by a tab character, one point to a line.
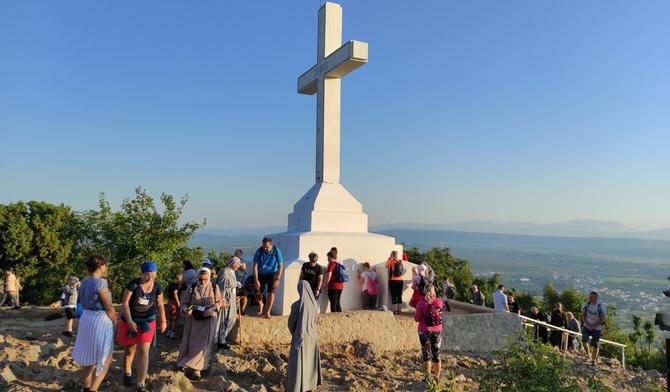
528	367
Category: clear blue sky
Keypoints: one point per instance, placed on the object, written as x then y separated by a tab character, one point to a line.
515	111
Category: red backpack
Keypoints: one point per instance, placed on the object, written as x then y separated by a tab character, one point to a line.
434	316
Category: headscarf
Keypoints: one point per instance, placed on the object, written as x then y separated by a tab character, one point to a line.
307	313
429	275
233	261
204	269
149	266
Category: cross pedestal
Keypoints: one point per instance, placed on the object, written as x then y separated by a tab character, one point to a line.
328	215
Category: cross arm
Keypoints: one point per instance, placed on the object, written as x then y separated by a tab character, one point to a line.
347	58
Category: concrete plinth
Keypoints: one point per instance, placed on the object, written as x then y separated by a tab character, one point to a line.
354	249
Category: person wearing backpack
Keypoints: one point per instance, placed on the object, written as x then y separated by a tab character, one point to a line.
429	315
268	267
396	272
367	279
335	278
593	317
142	302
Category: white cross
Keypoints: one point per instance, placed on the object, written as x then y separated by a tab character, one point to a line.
332	63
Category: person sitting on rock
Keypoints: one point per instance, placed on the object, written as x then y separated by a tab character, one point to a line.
476	296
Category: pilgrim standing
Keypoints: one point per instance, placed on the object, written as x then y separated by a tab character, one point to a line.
227	282
201	302
95	342
429	315
303	372
142	299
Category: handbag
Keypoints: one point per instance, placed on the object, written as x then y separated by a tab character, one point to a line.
199	315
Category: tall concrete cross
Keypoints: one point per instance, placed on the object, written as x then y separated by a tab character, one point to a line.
332	63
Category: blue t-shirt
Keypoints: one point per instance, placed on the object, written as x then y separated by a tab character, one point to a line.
268	262
89	293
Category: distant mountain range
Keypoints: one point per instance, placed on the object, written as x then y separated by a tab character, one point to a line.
573	228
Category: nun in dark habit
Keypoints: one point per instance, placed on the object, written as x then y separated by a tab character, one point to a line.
303	372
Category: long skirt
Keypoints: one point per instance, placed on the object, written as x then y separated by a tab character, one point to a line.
227	319
303	372
95	340
197	342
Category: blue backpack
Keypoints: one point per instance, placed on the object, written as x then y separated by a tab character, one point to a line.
340	274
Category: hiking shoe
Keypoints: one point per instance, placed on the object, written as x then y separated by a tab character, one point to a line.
69	334
142	388
127	379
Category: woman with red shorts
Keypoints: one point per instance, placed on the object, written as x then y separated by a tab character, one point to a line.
142	299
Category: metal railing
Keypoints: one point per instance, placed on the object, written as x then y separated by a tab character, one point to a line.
579	334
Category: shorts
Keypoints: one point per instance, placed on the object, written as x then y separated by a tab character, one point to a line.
70	313
594	333
267	280
141	337
430	345
173	310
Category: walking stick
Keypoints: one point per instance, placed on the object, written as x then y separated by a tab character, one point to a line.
239	317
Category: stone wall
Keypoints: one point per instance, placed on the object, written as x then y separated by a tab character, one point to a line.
467	329
479	332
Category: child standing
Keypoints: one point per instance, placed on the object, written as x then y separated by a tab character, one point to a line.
69	301
173	306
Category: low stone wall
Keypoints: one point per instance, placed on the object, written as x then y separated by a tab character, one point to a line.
478	330
467	329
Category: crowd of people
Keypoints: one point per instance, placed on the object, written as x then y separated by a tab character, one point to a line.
592	320
206	307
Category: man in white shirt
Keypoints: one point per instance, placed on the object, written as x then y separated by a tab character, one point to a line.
593	317
500	299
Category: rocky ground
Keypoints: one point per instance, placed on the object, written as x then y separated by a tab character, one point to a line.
35	357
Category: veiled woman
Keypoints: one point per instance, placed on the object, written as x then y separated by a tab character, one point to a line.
227	282
303	372
201	302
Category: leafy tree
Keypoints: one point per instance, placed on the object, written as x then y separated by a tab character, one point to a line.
443	263
549	297
572	300
649	334
635	337
527	301
139	232
37	239
488	286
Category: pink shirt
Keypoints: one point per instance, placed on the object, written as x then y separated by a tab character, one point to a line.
422	312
